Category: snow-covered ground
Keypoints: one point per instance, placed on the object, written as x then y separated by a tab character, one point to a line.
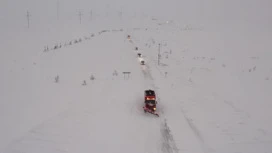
63	86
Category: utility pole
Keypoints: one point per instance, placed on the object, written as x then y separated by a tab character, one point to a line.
91	15
58	10
80	14
120	14
107	9
159	54
28	16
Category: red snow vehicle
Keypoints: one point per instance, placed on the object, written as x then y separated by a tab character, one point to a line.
150	102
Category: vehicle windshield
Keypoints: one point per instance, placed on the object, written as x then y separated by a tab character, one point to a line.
151	102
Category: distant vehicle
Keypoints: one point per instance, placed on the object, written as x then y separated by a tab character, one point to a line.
150	102
142	62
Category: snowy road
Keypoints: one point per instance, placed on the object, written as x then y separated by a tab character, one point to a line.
76	99
106	114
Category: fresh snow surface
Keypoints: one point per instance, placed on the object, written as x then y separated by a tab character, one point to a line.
213	78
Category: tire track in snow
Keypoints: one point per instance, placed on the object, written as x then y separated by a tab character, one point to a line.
146	72
168	145
196	132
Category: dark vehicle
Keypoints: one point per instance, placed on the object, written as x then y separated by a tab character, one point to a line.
150	102
142	62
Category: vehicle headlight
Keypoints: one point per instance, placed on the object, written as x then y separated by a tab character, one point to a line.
154	108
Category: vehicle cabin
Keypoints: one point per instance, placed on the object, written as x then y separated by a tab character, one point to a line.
150	96
142	62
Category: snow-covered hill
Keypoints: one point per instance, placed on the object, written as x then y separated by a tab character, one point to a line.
63	87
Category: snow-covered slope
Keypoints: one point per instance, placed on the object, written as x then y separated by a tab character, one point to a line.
62	86
218	91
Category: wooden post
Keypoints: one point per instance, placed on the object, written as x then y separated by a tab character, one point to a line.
28	16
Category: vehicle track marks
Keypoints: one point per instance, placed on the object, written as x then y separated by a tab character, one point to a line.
168	144
197	133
